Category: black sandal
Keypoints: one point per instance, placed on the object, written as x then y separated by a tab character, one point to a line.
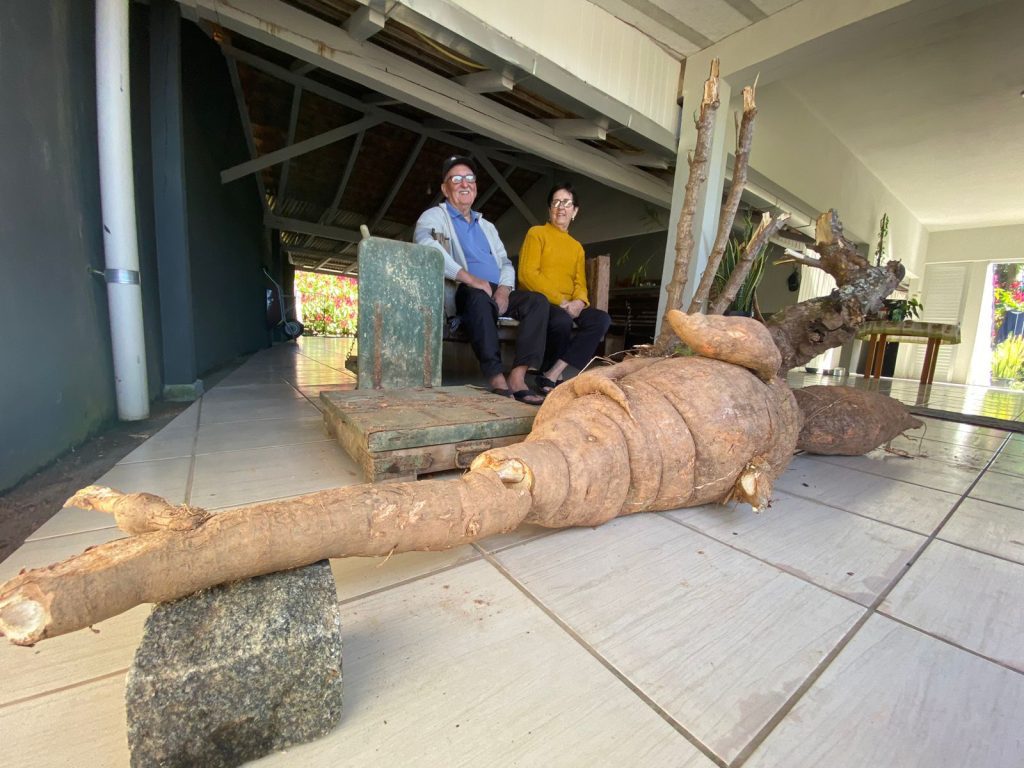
544	384
528	396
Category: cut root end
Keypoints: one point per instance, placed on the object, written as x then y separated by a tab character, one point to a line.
22	620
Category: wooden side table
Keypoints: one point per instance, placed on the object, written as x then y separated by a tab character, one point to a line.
878	333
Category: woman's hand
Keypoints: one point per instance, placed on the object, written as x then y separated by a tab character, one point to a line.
573	307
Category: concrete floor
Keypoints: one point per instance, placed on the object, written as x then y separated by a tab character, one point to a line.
872	616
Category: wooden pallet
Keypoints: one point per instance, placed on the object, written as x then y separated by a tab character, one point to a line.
399	434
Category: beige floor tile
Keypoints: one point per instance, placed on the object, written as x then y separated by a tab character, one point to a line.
249	393
43	552
845	553
900	699
356	576
949	453
525	532
187	419
228	409
80	726
714	637
1000	488
903	504
167	478
71	659
461	669
313	391
992	528
242	477
1009	463
927	473
241	435
168	443
969	598
72	520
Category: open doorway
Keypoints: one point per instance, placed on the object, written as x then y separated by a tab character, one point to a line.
1006	350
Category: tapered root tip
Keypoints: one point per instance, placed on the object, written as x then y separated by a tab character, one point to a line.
94	497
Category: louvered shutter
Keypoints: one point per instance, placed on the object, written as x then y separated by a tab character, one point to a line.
943	300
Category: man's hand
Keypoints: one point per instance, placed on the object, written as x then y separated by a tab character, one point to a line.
474	282
573	307
500	297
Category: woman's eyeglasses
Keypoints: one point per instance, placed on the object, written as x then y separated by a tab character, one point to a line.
458	178
561	204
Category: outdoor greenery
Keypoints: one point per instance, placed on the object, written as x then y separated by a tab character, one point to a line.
1008	359
1007	293
327	305
744	301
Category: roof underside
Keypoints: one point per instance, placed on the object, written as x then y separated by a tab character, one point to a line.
382	172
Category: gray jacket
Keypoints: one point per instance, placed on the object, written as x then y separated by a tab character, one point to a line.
437	220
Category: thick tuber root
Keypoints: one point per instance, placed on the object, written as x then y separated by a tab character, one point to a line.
849	422
645	435
738	340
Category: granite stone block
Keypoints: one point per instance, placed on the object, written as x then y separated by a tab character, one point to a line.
237	671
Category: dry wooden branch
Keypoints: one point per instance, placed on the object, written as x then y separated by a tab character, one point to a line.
645	435
811	327
765	229
684	229
744	139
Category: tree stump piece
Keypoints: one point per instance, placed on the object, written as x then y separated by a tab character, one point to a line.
234	672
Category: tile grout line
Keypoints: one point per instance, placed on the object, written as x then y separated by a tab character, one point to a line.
61	689
192	457
762	735
618	674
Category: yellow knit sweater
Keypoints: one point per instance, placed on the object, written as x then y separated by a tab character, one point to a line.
551	262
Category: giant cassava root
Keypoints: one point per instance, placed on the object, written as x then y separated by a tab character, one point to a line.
644	435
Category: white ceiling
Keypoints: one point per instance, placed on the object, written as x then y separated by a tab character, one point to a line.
928	97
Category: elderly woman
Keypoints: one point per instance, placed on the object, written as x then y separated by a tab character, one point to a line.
551	262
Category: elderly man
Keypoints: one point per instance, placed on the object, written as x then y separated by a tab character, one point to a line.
480	282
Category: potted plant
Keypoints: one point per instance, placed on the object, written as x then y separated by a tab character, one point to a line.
743	304
899	310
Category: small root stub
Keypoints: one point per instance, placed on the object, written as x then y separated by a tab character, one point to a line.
754	485
509	471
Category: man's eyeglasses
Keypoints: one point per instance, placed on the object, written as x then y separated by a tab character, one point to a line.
561	204
458	178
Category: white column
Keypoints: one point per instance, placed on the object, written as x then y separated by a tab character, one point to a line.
117	192
709	202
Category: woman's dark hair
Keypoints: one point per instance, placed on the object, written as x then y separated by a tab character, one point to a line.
567	186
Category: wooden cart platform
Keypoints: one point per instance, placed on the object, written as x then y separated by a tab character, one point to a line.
397	434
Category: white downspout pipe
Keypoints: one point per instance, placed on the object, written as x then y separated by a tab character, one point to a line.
117	192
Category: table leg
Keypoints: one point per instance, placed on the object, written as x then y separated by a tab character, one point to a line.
931	358
880	354
870	362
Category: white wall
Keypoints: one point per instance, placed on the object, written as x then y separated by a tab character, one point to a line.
794	149
594	46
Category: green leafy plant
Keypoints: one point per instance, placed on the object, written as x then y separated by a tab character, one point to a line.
744	301
1008	359
883	233
903	309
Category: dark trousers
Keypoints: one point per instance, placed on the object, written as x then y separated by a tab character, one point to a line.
479	314
575	349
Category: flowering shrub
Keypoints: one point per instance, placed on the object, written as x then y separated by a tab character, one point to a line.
328	305
1007	293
